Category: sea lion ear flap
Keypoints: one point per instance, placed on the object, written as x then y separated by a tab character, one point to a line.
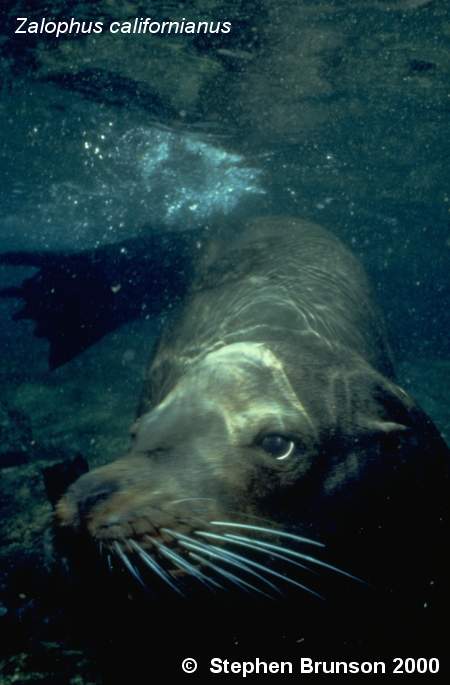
394	410
381	427
403	423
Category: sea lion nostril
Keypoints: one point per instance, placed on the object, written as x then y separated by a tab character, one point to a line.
96	496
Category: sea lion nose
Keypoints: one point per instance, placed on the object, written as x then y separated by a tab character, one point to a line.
93	495
76	506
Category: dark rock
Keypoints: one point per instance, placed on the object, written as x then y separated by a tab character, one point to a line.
16	439
58	477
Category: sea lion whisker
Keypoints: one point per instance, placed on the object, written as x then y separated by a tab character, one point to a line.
218	553
261	547
230	576
154	566
306	557
186	566
235	560
256	564
270	531
190	499
240	514
127	563
191	519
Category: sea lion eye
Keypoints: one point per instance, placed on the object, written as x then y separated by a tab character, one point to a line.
278	446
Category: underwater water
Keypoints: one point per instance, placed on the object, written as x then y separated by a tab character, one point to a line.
331	110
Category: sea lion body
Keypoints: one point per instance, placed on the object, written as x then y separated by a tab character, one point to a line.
270	405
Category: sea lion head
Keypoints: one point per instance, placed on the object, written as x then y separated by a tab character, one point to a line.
243	451
229	433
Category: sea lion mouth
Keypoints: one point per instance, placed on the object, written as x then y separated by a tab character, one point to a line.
188	545
224	556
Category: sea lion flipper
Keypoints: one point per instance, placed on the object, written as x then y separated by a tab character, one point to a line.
55	298
77	298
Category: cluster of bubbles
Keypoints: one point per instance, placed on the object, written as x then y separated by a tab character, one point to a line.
107	181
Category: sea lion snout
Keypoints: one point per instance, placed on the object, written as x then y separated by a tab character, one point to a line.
92	496
76	507
132	499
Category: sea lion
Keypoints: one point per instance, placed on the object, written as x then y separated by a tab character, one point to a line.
271	423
